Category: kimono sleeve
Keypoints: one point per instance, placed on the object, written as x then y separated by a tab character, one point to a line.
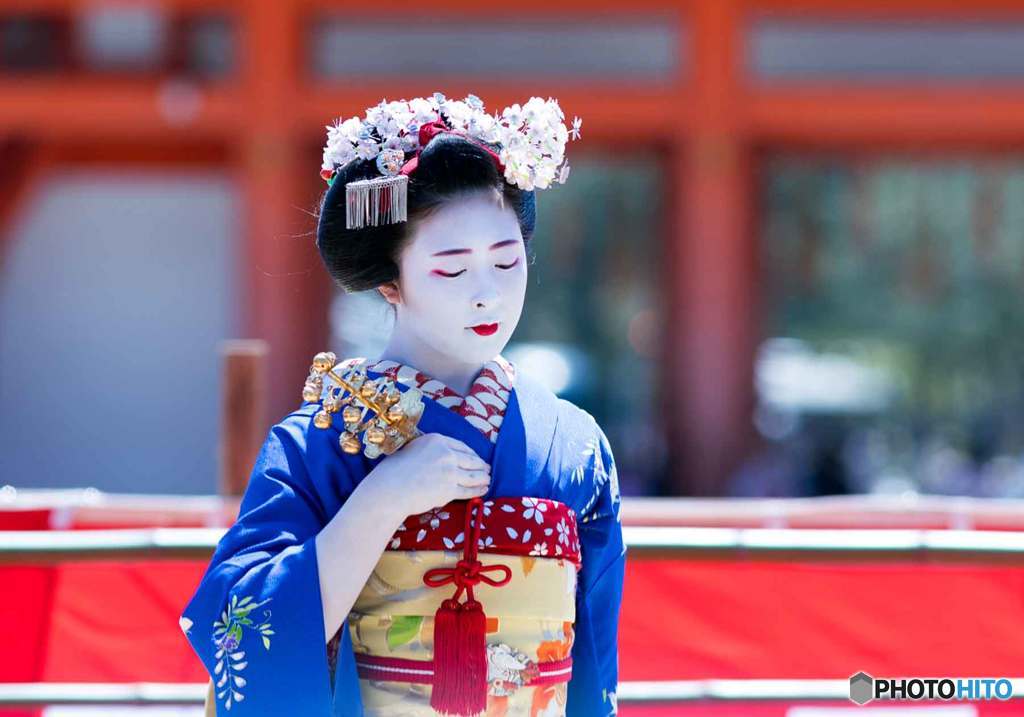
256	618
595	655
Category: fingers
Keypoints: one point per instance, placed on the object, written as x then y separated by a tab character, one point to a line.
470	491
456	445
475	477
469	463
467	457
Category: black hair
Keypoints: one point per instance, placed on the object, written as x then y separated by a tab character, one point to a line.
450	166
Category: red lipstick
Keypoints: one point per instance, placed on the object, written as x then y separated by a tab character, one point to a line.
485	329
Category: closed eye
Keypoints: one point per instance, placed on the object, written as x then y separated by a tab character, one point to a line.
507	266
446	274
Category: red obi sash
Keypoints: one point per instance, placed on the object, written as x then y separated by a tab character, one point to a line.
510	526
462	659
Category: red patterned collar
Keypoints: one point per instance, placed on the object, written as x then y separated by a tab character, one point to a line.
484	406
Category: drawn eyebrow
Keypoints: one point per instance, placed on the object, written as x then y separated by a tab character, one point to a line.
497	245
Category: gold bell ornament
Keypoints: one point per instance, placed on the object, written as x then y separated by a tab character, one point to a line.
385	416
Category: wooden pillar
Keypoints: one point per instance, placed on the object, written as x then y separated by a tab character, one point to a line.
243	412
282	281
24	161
713	274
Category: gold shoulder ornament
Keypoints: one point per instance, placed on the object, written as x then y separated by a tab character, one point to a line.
385	416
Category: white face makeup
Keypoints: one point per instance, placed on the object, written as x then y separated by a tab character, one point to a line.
464	267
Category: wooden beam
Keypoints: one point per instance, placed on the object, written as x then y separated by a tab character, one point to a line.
157	111
568	10
889	10
59	108
841	113
182	153
609	110
815	111
76	6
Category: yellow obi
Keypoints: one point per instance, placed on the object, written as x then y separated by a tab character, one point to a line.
527	557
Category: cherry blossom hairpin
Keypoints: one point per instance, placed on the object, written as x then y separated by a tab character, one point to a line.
531	155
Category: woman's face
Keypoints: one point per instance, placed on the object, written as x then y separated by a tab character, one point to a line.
464	267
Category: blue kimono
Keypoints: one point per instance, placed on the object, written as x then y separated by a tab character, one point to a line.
256	618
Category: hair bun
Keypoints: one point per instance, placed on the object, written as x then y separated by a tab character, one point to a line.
449	167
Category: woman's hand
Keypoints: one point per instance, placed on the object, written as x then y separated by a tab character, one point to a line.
429	471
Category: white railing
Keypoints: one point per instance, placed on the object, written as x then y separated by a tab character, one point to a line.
630	692
50	546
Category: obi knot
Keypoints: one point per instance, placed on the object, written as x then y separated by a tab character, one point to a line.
469	571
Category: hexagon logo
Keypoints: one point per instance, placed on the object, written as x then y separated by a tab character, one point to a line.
861	688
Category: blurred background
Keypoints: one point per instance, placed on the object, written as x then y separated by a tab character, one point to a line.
788	263
789	260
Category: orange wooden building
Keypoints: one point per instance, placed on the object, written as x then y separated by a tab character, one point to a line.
708	88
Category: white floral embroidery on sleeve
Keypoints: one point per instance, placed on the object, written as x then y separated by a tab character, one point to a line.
227	637
613	699
594	464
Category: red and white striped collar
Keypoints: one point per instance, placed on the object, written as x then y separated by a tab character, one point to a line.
484	406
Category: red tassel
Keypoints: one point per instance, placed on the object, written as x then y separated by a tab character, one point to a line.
460	659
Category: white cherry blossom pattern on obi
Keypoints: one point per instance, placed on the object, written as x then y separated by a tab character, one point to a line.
537	527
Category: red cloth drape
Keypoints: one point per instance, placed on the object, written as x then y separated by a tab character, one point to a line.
681	619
